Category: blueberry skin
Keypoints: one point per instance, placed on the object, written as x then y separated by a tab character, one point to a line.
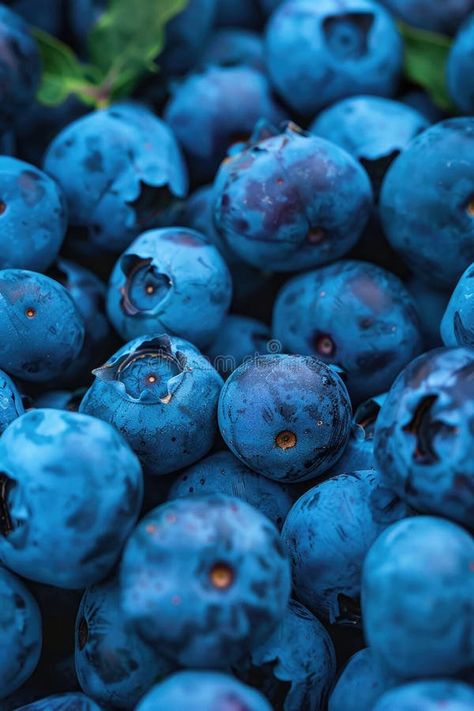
119	168
457	325
232	46
425	629
444	17
327	534
428	696
42	329
208	690
360	684
359	452
222	473
33	216
114	666
424	104
286	417
238	13
20	622
423	439
295	667
318	53
426	202
459	68
162	395
205	579
214	108
355	315
430	304
20	66
82	473
272	218
171	280
372	129
11	404
186	34
62	702
240	338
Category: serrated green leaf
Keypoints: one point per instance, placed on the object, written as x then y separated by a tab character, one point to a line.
426	54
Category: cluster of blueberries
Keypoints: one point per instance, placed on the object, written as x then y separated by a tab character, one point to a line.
239	476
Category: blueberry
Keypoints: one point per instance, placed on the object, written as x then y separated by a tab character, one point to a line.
286	417
115	667
232	46
62	702
222	473
161	394
372	129
209	691
423	439
71	491
32	216
459	68
238	13
430	304
359	452
352	314
186	35
457	325
20	66
318	53
272	218
328	533
443	16
42	329
360	684
11	404
424	104
20	622
240	338
295	667
204	579
118	168
418	596
61	399
171	280
211	110
428	696
427	202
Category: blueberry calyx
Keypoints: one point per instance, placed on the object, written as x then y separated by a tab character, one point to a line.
425	428
145	287
286	440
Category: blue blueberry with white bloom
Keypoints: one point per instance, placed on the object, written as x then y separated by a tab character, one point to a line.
209	691
318	53
286	417
327	534
42	328
428	696
162	395
170	280
11	403
457	326
205	579
222	473
71	492
418	598
459	68
20	623
360	684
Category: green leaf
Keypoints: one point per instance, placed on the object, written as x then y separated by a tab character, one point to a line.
426	54
128	37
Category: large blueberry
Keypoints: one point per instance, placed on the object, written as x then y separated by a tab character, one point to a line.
42	328
328	533
457	325
114	665
71	491
171	280
418	598
286	417
360	684
205	579
232	46
11	404
209	691
445	16
240	339
119	168
359	452
459	68
428	696
20	66
295	667
291	201
161	394
423	441
222	473
211	110
355	315
62	702
32	216
427	202
319	52
20	623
